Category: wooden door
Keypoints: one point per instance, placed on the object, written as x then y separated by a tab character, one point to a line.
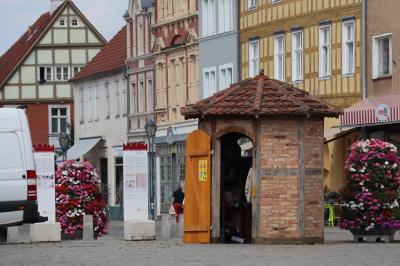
197	227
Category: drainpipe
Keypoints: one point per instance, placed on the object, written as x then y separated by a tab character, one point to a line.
364	49
239	47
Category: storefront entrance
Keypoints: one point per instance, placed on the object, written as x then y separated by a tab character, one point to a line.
236	210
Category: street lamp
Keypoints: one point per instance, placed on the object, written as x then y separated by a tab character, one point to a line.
151	129
64	140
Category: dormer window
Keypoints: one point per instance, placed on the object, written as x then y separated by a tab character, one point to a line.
74	22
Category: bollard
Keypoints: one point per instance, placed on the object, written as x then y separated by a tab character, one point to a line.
87	232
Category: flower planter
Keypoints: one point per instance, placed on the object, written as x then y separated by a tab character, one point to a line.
374	235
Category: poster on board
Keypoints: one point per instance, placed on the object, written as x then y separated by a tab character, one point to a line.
46	194
135	182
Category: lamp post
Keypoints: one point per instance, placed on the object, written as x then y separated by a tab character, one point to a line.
151	129
64	140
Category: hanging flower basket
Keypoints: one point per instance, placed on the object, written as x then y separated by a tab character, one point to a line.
78	193
371	196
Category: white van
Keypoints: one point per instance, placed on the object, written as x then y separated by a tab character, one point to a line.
18	193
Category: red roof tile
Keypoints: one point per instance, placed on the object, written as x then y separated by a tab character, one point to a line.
260	96
111	57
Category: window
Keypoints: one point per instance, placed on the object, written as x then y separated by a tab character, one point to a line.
96	102
348	48
45	74
279	57
254	53
382	55
209	86
62	73
325	51
117	98
225	76
74	22
90	105
149	95
124	98
141	97
81	104
297	56
62	22
225	15
76	70
59	119
166	182
208	18
252	4
276	1
107	92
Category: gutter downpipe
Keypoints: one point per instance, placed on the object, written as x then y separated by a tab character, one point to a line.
128	95
364	49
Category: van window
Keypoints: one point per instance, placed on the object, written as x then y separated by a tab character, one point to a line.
10	151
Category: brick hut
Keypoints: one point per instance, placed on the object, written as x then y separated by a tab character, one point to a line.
266	145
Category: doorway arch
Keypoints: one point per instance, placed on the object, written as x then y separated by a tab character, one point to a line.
235	205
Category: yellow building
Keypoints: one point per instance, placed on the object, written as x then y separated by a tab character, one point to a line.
316	45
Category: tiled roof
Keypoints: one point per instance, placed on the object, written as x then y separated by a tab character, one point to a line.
260	96
111	57
12	57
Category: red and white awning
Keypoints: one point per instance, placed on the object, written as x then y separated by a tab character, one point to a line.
376	110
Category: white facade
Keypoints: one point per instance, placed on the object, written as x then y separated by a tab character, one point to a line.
100	111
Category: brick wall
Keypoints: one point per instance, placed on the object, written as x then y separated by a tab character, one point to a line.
313	189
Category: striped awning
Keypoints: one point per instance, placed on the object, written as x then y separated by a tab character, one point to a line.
375	110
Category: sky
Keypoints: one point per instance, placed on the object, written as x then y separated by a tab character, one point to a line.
17	15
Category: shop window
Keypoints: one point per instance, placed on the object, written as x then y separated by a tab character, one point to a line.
119	184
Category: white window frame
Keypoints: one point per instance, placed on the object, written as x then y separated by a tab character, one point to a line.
64	19
46	68
81	105
277	55
68	116
297	63
225	16
348	69
276	1
254	60
209	17
79	67
322	74
376	53
108	102
223	82
117	98
208	90
252	4
124	98
63	77
96	102
77	22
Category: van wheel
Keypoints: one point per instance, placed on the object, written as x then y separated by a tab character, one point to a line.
3	234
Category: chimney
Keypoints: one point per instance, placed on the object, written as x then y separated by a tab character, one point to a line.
54	4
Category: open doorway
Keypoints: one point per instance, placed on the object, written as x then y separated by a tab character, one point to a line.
236	210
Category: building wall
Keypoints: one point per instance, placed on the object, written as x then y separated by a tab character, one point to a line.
61	46
288	180
140	69
108	121
382	19
268	19
220	49
176	56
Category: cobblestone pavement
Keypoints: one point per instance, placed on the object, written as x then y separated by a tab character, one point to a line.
113	250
